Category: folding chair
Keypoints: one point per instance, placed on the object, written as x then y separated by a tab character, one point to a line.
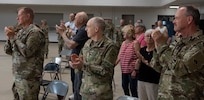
54	71
127	98
65	56
65	52
58	60
58	87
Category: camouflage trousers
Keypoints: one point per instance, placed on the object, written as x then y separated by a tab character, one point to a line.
60	46
46	46
106	96
26	89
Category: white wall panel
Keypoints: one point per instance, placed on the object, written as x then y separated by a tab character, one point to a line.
149	15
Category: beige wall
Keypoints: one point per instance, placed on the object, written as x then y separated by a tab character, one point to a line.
8	14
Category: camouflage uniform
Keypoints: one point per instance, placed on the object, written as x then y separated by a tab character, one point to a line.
27	59
119	36
60	43
17	27
109	31
45	29
99	59
182	68
15	93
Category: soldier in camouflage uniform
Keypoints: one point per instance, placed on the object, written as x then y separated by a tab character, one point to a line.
119	33
25	46
109	30
97	60
60	43
44	27
59	37
182	62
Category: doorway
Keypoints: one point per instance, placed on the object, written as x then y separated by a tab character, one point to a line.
168	22
129	19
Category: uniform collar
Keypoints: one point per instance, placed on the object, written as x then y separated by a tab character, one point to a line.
193	37
97	43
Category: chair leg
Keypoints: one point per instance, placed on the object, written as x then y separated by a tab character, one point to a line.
57	77
44	88
44	96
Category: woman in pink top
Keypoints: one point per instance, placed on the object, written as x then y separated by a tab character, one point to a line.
127	58
139	34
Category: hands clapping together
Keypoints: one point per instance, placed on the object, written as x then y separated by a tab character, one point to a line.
9	31
62	30
76	61
158	38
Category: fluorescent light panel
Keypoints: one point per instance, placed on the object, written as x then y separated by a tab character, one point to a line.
174	7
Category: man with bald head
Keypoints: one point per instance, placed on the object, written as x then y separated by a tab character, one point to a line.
97	61
182	62
76	44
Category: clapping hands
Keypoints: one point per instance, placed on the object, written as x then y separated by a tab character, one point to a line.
9	31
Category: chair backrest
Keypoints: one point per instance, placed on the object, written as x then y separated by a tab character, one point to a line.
52	67
127	98
66	52
58	60
58	87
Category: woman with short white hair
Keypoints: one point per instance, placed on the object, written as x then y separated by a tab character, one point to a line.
148	78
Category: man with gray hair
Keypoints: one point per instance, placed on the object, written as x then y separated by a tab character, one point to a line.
26	47
76	44
181	63
97	61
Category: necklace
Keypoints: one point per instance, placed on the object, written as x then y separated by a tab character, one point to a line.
149	50
148	53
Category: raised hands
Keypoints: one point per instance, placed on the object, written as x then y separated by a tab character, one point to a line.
159	38
9	31
76	61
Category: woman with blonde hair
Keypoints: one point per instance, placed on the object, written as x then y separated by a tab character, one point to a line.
127	58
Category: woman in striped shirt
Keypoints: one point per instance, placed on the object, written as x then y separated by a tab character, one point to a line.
127	58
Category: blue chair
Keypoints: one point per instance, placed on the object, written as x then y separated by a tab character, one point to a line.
54	70
58	87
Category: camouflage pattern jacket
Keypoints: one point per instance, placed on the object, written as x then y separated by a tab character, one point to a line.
99	59
119	36
45	29
27	53
182	68
109	30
